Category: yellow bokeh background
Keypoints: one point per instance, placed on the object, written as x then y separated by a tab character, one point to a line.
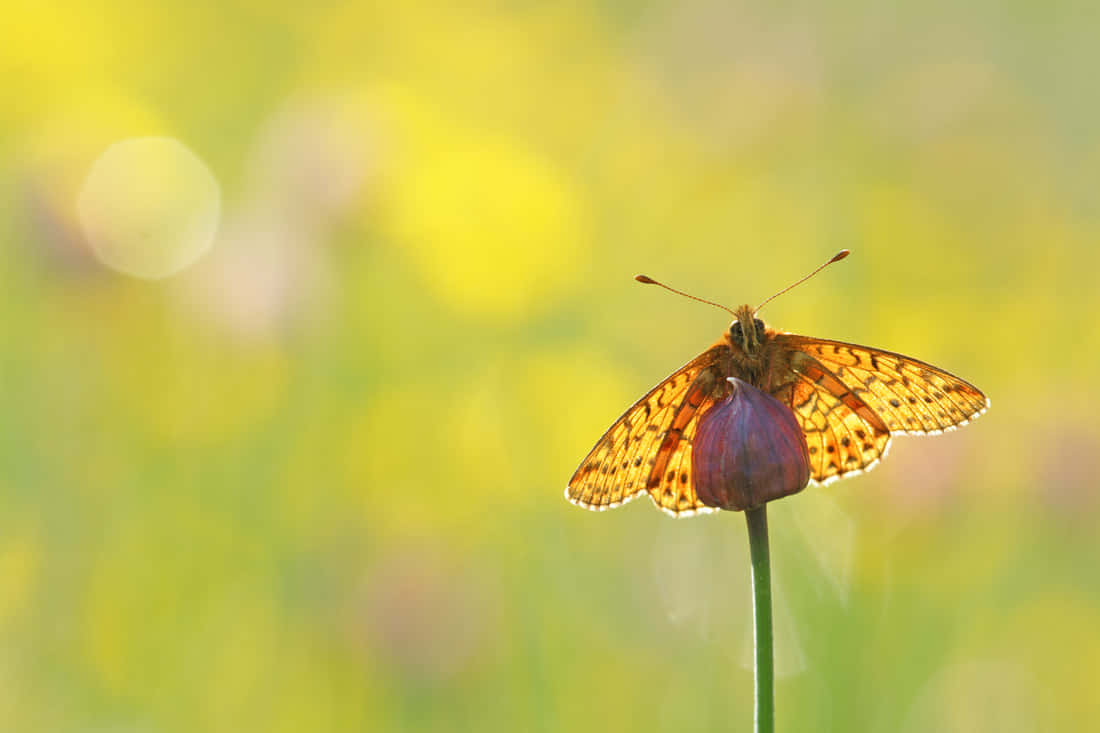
314	481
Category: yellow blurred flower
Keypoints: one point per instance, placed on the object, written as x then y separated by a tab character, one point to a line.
494	228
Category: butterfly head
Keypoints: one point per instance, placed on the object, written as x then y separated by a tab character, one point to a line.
747	331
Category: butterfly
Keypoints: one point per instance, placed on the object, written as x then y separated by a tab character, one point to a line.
848	401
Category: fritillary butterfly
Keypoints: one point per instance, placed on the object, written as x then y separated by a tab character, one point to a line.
847	399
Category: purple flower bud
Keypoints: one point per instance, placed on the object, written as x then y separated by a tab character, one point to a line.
748	450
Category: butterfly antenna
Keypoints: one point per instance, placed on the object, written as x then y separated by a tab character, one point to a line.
650	281
836	258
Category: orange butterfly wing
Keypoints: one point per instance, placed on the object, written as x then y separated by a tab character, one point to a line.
850	399
649	447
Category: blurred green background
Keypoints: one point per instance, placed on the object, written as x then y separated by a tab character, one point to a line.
314	481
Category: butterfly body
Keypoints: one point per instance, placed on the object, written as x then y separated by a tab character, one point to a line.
847	399
753	354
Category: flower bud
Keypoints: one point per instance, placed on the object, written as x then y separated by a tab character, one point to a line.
748	450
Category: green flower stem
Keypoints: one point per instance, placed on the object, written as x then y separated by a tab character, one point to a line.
757	519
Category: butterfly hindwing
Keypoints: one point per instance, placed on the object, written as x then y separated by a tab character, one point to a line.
671	482
658	428
843	434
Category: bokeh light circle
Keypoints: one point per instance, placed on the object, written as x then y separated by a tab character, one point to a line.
149	207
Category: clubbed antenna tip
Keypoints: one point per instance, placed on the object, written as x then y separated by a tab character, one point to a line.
835	258
650	281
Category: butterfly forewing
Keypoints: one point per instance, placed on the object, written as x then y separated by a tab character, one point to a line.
909	395
621	464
